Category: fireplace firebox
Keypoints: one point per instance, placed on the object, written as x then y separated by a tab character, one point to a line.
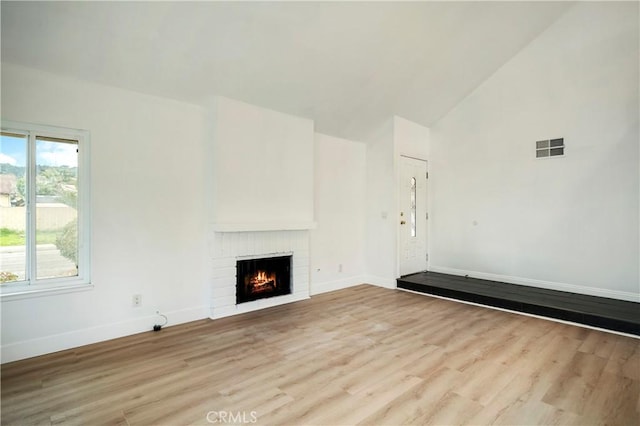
262	278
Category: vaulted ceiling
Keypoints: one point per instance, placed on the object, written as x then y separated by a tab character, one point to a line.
346	65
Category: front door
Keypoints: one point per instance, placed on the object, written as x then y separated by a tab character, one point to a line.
413	215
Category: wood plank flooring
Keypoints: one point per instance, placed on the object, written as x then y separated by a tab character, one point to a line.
363	355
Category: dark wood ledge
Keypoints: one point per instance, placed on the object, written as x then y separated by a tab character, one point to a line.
611	314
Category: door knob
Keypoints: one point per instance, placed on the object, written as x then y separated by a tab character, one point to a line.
402	222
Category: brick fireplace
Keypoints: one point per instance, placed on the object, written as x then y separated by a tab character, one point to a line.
230	248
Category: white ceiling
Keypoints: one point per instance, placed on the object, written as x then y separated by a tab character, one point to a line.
345	65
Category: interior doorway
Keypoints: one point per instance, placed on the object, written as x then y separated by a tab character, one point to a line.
413	216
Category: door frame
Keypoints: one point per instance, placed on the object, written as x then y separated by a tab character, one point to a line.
399	207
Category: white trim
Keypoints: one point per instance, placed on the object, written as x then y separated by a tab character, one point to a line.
265	256
27	291
413	158
590	291
84	207
31	204
327	286
73	339
263	226
526	314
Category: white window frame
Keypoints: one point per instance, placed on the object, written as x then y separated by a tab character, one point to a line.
32	285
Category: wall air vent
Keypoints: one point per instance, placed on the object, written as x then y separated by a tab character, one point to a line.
550	148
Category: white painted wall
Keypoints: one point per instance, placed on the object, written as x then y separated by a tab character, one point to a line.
411	139
262	168
382	204
340	208
148	213
567	223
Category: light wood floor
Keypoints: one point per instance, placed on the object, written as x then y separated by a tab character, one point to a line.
362	355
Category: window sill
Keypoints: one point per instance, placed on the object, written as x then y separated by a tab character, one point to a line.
8	294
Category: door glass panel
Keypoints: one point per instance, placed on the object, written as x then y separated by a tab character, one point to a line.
13	211
412	218
56	207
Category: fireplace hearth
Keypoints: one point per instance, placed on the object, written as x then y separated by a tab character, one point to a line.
262	278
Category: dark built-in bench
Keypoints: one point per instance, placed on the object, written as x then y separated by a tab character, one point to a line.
602	312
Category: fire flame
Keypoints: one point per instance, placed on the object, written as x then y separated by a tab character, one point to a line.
262	281
260	277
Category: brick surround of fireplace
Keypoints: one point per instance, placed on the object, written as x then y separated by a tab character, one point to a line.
228	247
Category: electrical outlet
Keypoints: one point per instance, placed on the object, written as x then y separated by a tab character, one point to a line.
137	300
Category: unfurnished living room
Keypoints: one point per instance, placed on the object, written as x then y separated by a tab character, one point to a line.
320	213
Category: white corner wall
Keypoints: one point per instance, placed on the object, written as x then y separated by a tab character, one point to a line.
381	207
568	223
148	213
337	245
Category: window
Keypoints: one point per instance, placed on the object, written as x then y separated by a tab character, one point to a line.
44	208
550	148
413	207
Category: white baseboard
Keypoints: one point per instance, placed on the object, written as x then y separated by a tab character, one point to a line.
325	287
572	288
73	339
380	281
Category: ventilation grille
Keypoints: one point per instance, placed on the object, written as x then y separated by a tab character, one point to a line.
550	148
